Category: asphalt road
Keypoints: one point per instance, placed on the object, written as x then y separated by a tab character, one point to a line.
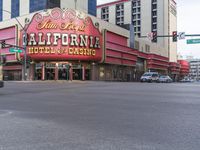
99	116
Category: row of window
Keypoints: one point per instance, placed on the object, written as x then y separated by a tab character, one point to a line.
120	14
136	3
154	17
1	11
35	5
136	17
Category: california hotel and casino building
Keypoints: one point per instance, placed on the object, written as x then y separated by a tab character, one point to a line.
65	41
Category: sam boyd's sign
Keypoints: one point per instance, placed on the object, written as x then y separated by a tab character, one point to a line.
63	35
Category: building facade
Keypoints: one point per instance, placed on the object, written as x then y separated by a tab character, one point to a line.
69	44
194	69
146	16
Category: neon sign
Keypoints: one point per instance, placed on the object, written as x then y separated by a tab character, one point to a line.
63	34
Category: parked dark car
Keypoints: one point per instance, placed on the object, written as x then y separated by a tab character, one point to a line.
1	84
164	79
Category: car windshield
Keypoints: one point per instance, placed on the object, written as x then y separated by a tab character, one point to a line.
147	74
163	76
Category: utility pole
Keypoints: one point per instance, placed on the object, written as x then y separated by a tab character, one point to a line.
75	1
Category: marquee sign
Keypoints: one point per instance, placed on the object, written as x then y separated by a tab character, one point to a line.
63	35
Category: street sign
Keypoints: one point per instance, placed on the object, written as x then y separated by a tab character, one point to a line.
14	50
181	35
193	41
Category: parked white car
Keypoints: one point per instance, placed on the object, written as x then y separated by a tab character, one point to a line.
149	77
164	79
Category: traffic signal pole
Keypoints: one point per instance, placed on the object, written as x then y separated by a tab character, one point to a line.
187	35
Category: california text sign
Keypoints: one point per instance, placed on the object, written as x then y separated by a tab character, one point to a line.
63	35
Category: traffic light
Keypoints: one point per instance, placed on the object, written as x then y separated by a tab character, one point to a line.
174	36
2	59
3	44
154	39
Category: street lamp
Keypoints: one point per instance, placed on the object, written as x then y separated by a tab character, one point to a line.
25	40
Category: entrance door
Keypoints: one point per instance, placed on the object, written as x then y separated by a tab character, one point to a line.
77	72
63	72
50	71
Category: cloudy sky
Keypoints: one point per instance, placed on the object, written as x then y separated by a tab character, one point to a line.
188	22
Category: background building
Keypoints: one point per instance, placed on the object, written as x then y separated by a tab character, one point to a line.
146	16
124	58
24	7
194	69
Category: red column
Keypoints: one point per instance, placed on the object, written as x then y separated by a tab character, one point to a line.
43	71
83	73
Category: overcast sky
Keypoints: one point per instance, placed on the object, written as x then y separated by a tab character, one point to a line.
188	12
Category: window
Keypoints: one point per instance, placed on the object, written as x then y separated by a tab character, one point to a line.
105	10
120	6
154	6
138	3
147	48
154	13
134	4
36	5
135	29
138	22
14	8
92	7
154	26
154	20
53	3
137	46
1	11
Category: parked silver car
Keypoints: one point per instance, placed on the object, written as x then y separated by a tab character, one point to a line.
164	79
149	77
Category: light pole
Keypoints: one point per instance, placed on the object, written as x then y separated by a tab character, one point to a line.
24	46
75	1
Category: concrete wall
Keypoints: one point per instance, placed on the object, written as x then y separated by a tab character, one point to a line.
127	14
24	7
146	17
172	27
112	14
7	7
80	5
